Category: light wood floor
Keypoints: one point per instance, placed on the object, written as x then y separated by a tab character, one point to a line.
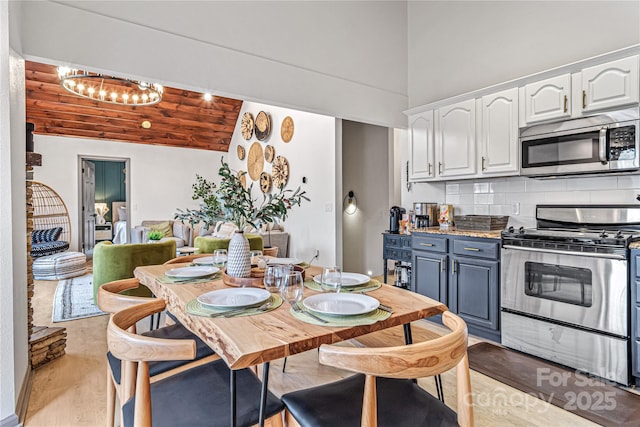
70	391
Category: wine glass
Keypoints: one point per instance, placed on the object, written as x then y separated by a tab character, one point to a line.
331	280
219	257
257	259
292	287
272	278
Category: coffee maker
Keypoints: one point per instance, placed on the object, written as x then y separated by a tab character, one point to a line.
395	215
425	214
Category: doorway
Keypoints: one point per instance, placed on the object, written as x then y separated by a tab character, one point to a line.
105	184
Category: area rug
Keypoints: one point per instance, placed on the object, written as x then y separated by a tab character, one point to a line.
74	299
593	399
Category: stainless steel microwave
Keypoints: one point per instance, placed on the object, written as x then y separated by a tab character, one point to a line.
603	143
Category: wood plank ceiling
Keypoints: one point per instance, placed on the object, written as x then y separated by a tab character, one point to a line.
182	119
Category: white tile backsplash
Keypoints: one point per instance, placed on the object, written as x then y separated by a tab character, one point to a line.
497	196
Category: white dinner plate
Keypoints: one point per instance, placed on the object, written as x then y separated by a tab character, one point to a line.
191	272
348	279
284	261
205	260
341	304
234	297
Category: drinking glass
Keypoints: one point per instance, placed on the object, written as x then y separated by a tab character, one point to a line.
272	278
257	259
292	287
331	279
219	257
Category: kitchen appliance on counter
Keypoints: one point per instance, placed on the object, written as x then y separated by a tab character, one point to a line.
565	290
608	142
395	215
426	214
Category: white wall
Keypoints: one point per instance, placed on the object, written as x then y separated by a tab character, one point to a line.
365	171
311	154
344	59
13	262
160	177
499	196
460	46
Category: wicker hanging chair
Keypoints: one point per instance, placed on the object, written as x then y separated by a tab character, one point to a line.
49	210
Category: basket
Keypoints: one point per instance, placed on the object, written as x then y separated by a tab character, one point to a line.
480	222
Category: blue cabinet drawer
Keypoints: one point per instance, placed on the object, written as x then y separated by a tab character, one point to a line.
429	243
392	240
477	249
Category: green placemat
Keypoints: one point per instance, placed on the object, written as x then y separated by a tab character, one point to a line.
195	307
371	285
171	281
362	319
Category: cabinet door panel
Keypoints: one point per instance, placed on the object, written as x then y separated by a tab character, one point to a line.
499	136
456	139
473	293
548	99
610	85
421	147
429	275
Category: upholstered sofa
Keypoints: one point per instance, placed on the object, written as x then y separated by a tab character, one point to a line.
177	231
272	235
114	262
208	244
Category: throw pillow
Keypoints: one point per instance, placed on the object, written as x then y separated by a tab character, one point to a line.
164	227
47	235
225	231
122	213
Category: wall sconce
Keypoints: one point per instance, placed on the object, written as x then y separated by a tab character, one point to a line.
101	211
350	203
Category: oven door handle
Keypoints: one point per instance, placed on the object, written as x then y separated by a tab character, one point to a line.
554	251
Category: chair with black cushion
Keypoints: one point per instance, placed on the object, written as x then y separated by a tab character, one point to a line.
110	300
196	397
383	393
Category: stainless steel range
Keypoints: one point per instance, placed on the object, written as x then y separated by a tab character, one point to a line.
565	288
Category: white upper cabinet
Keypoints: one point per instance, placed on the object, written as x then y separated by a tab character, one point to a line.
456	139
499	133
613	84
421	146
547	99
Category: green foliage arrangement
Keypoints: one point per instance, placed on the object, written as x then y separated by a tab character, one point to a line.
231	202
155	235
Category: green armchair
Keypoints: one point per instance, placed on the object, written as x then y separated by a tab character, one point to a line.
115	262
208	244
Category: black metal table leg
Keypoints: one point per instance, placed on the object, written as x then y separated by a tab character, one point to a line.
408	339
232	390
263	394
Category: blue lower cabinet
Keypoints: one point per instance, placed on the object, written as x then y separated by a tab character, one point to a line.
463	273
635	315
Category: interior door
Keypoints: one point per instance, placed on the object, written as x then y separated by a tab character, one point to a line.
88	206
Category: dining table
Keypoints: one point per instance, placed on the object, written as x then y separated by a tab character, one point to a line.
252	340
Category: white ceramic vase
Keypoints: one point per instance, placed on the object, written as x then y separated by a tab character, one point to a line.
238	256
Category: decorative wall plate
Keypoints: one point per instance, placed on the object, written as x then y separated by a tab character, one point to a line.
269	153
265	182
255	161
286	130
246	125
242	176
280	172
241	152
262	126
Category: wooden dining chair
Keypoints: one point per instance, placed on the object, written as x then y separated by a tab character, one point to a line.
120	382
383	392
193	398
185	258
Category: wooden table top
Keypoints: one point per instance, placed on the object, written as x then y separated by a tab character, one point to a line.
251	340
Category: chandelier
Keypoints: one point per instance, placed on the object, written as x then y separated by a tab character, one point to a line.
114	90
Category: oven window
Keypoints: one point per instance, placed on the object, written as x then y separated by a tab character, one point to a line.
571	285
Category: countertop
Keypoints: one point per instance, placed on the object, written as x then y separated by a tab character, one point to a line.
492	234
